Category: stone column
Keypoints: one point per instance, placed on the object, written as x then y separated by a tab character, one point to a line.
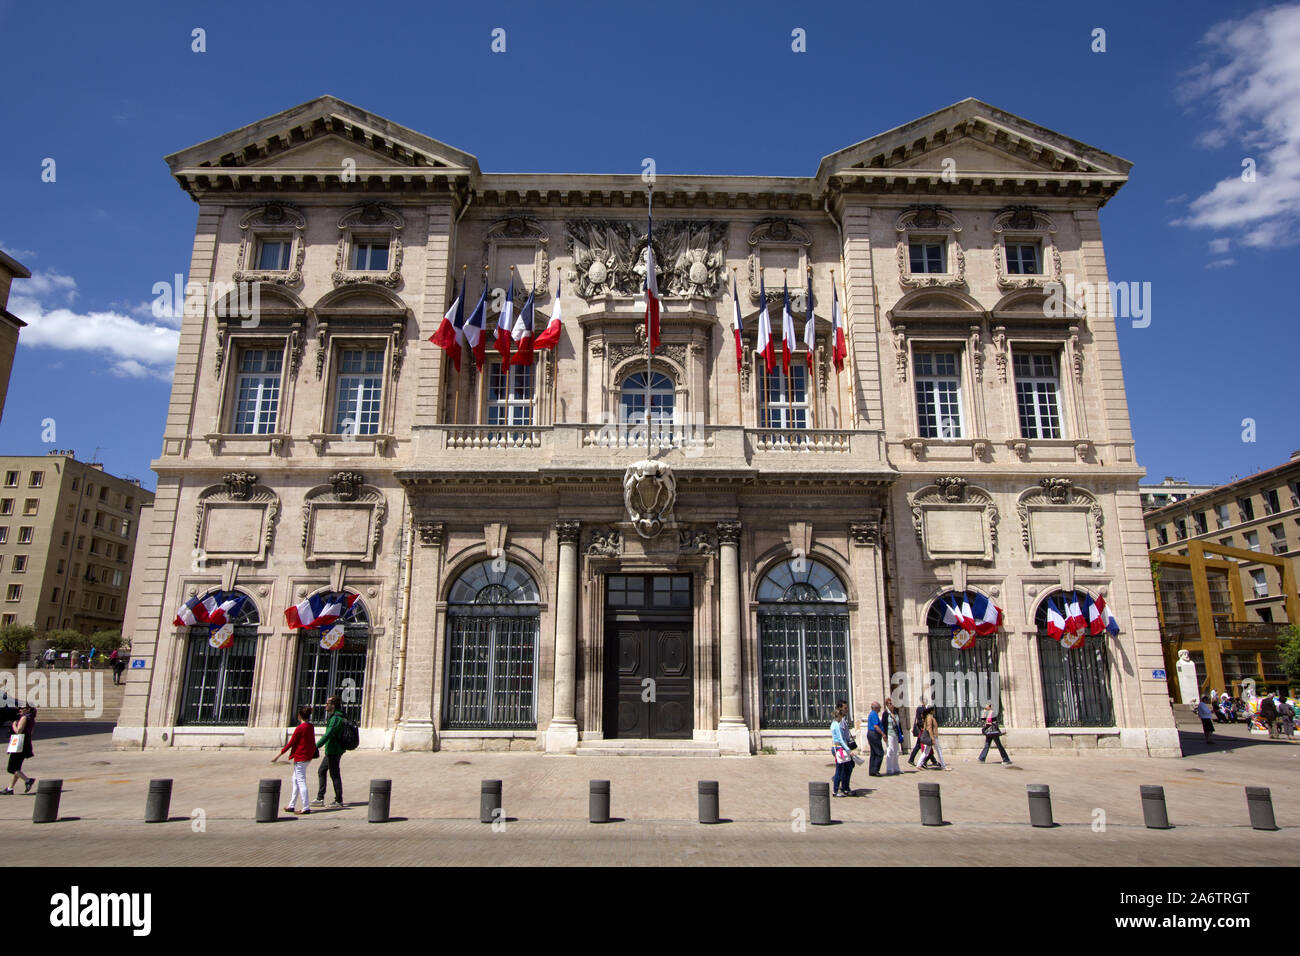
562	734
733	735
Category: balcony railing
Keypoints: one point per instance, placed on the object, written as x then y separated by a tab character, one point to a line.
1248	630
493	436
800	439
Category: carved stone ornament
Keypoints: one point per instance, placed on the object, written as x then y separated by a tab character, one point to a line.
271	220
779	235
728	532
239	485
924	222
1027	224
649	493
620	352
609	257
371	219
235	520
605	543
431	533
520	231
1057	490
900	350
1000	351
1060	521
342	520
568	531
865	533
955	520
695	541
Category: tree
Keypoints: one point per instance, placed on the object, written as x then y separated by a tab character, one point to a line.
68	640
1289	646
106	641
14	638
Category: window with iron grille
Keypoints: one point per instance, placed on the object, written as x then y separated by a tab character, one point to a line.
803	633
1038	394
969	676
1075	680
218	682
492	631
257	391
359	392
339	673
938	394
785	398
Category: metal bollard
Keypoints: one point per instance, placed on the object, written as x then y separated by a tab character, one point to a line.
931	806
1154	813
708	801
1259	801
46	808
819	803
381	792
489	801
598	802
268	800
1040	805
158	802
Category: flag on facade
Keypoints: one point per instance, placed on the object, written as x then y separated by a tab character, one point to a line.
1100	619
210	610
839	346
550	336
765	329
651	289
331	638
319	610
962	636
810	329
1075	622
522	333
1055	621
448	336
505	323
736	326
475	333
987	616
787	331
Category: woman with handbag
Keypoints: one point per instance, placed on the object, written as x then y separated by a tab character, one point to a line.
840	751
992	735
20	748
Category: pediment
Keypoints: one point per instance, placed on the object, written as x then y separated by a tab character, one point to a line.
968	154
329	152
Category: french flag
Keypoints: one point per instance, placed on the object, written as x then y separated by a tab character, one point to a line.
787	331
522	333
1100	619
1055	621
765	329
505	322
651	281
736	326
962	635
210	610
448	336
319	610
1075	622
476	329
334	607
840	348
987	615
810	329
550	336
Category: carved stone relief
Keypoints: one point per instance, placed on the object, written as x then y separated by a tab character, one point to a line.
609	257
649	493
236	519
1025	223
924	222
1059	521
271	219
342	520
376	218
955	520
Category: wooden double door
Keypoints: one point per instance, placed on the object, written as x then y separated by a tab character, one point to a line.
649	678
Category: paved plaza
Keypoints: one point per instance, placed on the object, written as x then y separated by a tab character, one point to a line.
435	808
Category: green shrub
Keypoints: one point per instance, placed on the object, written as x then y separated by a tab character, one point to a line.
14	638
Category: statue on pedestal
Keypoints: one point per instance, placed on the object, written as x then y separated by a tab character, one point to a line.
1188	685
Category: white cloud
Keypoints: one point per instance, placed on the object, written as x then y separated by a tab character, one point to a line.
134	347
1221	263
20	254
1251	83
1219	246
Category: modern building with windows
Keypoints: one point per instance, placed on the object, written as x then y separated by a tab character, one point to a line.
602	549
67	542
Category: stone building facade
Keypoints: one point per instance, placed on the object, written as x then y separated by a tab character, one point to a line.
540	568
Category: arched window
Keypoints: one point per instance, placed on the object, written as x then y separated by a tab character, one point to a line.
323	673
967	677
1076	680
632	397
218	682
492	629
803	637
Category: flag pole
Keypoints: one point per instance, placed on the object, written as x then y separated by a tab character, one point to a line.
740	404
812	359
839	391
555	358
649	344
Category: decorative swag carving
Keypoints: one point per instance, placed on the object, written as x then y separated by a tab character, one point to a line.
1059	520
609	257
954	519
349	503
245	526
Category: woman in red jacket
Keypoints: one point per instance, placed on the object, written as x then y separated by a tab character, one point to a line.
302	747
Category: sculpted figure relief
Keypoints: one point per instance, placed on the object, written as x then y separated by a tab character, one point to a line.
649	491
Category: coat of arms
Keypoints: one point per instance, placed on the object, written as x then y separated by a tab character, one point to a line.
649	491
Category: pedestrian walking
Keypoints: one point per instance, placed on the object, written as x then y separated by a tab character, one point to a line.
331	748
1204	712
840	751
20	748
893	732
992	735
118	661
1268	714
930	738
302	744
49	657
875	740
918	725
1286	718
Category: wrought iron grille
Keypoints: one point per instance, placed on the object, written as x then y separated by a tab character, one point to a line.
968	679
218	688
804	653
491	668
1076	683
323	673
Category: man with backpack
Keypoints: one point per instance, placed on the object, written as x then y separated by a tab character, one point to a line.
339	732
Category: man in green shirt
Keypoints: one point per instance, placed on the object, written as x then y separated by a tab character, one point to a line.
331	748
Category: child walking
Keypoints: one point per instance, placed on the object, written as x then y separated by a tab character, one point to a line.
302	747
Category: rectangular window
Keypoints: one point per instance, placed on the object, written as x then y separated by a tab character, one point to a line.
322	672
9	619
803	665
510	395
1022	259
1271	504
1180	529
20	563
1221	511
1252	540
257	391
126	528
75	483
81	542
4	534
31	506
11	479
6	506
117	579
1260	581
1247	509
15	593
218	684
938	395
85	516
1038	390
36	479
927	257
1202	523
1278	533
67	536
491	677
1162	535
359	392
273	255
370	255
55	595
785	398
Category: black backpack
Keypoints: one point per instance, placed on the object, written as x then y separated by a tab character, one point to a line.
349	736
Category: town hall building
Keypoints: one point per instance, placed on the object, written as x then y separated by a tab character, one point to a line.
601	549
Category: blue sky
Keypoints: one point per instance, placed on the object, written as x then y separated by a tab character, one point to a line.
1185	90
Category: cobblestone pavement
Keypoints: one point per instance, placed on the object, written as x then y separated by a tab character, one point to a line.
435	806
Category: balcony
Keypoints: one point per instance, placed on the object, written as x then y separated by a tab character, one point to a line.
1248	630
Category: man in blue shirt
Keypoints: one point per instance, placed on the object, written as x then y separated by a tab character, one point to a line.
876	740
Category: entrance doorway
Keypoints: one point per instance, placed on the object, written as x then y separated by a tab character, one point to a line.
649	679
